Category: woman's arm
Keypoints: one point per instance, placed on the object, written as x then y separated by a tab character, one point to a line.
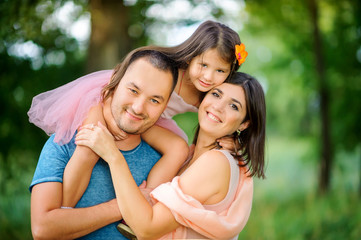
174	152
147	221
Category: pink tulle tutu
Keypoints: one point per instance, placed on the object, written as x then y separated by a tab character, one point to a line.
62	110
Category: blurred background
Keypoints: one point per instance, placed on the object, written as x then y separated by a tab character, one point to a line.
306	54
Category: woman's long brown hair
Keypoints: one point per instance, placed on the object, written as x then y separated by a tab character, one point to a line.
251	141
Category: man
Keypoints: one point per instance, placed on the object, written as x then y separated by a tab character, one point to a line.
148	77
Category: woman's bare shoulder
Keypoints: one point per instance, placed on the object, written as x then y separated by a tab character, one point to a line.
211	173
213	158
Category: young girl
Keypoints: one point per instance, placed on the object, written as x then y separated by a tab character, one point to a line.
206	59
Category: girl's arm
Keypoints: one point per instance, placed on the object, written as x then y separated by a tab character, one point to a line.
78	171
174	152
149	222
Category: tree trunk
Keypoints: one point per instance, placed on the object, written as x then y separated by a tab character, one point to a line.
326	149
109	40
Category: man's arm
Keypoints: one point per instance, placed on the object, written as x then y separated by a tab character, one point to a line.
49	221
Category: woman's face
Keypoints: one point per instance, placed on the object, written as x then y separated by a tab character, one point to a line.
208	70
222	110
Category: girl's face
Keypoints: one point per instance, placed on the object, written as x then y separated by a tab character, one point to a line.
208	70
222	110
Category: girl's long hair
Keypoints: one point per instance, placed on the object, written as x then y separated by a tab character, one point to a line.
209	35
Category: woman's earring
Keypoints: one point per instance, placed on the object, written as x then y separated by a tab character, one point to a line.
239	137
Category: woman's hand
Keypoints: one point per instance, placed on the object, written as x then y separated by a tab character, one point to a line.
99	139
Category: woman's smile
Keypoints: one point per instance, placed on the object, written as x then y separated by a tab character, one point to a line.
213	117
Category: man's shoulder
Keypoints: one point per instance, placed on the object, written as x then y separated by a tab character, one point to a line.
50	144
54	153
142	152
52	161
144	147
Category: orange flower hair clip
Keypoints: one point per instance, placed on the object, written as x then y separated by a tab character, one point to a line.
241	53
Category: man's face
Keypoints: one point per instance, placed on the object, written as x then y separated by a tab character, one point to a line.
140	97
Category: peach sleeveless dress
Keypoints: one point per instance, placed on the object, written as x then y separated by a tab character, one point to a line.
224	220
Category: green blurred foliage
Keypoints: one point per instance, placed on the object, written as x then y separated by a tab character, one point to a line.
287	206
278	37
304	217
281	34
21	78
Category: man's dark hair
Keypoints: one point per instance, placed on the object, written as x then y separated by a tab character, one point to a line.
156	58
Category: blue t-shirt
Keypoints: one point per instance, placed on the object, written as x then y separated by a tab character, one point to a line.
53	159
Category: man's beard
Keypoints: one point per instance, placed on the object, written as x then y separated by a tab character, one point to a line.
127	127
131	131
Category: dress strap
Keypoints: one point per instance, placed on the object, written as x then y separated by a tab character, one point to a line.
180	85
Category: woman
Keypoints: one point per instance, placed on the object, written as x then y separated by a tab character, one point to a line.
212	195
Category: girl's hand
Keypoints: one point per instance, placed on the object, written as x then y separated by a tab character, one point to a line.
97	138
113	127
119	134
227	143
